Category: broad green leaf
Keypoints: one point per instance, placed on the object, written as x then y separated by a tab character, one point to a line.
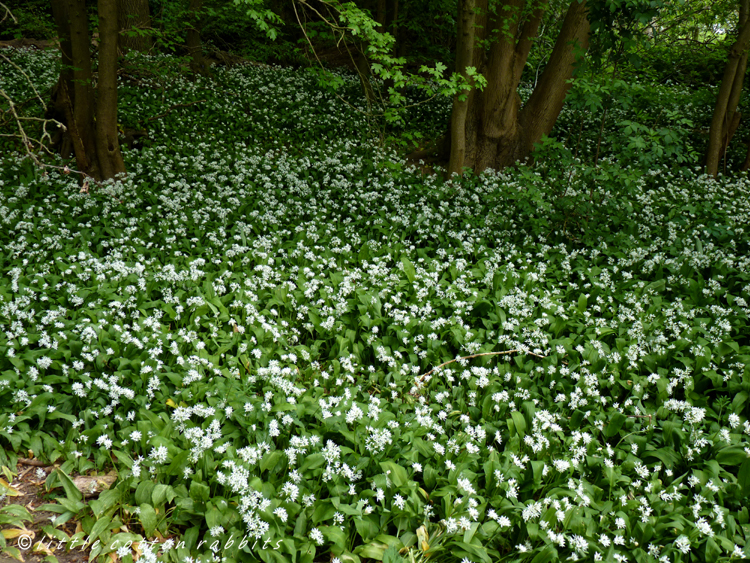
615	424
519	422
71	490
743	478
582	302
549	553
395	472
101	525
147	516
731	455
408	268
269	461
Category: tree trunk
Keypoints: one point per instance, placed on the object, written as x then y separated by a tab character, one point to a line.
74	93
61	106
464	51
107	144
134	15
726	119
193	43
498	131
380	14
363	70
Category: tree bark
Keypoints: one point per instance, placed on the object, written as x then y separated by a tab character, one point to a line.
193	43
380	14
59	107
95	147
464	51
134	15
75	92
498	131
363	70
726	119
540	113
107	144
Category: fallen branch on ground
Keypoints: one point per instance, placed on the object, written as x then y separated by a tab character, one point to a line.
421	379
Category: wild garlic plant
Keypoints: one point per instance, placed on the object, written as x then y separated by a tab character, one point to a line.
246	327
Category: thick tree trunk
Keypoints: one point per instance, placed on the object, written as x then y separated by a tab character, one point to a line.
134	15
498	131
75	92
363	70
380	14
107	144
95	146
726	118
61	106
464	51
540	113
193	43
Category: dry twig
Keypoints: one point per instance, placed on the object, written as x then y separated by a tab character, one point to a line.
421	379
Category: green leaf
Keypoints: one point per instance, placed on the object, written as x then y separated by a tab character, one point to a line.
395	472
269	461
124	458
582	302
549	553
199	492
615	424
374	550
391	555
713	552
335	535
107	499
71	490
408	268
312	462
366	528
743	478
731	455
666	455
520	423
101	525
144	492
148	519
159	494
213	517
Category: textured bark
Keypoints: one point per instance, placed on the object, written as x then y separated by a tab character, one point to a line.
746	165
726	119
134	15
73	96
498	131
540	113
363	70
380	14
464	52
107	144
74	93
198	63
61	106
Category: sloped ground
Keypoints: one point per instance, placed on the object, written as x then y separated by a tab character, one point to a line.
247	328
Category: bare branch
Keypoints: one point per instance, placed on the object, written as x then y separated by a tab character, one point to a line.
26	76
421	379
7	14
